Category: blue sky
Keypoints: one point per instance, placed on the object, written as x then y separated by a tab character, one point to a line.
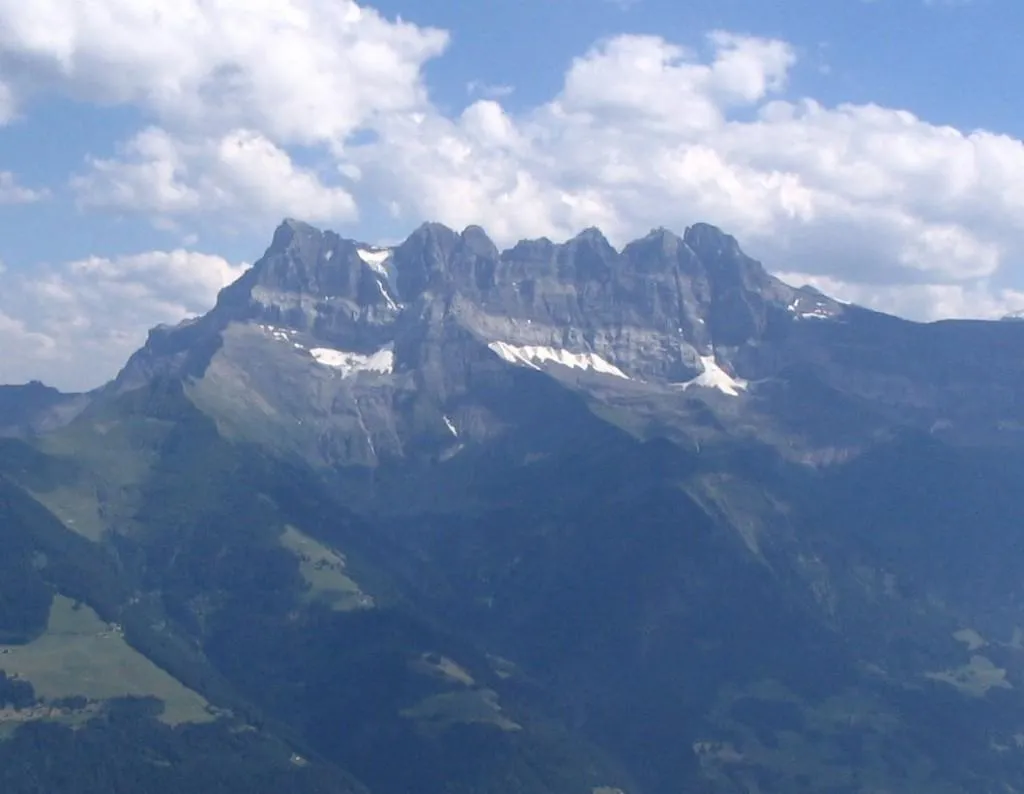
148	147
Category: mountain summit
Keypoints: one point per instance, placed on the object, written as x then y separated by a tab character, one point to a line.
417	322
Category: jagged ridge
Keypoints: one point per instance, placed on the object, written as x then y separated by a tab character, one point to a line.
654	310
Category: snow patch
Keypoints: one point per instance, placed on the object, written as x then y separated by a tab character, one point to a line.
329	255
387	296
451	427
378	260
714	377
375	259
280	334
533	355
818	312
382	362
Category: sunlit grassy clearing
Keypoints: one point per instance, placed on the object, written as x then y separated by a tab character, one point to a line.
324	572
81	655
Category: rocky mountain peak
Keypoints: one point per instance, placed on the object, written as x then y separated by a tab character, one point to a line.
422	260
436	239
288	230
589	256
591	237
475	240
665	239
722	258
659	250
706	239
662	310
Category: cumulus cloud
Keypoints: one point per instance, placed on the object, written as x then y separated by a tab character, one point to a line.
74	324
231	85
301	71
241	174
11	192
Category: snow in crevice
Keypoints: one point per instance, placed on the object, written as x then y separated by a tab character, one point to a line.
451	427
329	254
714	377
379	261
376	259
386	294
533	356
381	362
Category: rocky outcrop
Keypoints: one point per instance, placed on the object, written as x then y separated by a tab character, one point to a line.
667	326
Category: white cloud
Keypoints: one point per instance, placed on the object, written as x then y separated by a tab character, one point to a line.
11	192
231	84
75	324
239	175
650	83
489	90
301	71
7	104
26	349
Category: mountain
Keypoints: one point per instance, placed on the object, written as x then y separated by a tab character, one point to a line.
35	408
559	518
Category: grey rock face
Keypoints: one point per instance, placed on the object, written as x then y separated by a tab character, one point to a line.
376	349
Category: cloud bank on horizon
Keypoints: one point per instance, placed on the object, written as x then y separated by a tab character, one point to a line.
247	111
